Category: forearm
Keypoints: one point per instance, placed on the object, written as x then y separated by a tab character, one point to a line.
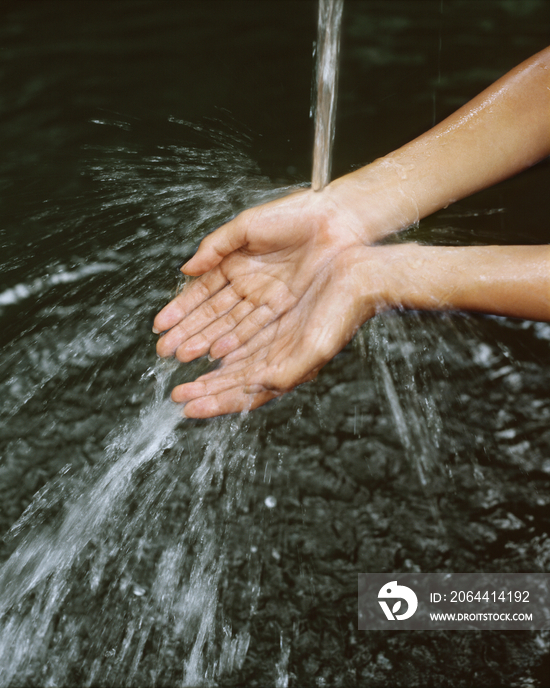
501	280
502	131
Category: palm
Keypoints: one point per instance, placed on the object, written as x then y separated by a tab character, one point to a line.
272	255
291	349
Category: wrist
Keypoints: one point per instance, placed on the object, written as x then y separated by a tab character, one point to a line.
502	280
379	198
402	275
382	275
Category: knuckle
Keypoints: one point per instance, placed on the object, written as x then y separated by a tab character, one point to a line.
262	315
231	319
200	286
210	311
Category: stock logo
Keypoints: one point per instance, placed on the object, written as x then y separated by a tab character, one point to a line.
392	591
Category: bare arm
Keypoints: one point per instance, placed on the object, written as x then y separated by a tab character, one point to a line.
248	267
502	131
284	286
501	280
360	282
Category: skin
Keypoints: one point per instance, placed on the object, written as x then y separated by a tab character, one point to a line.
284	286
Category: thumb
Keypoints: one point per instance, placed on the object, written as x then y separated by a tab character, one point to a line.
214	247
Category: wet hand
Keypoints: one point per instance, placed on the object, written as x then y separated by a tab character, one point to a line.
342	295
253	270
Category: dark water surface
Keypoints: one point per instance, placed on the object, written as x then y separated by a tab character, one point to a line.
129	130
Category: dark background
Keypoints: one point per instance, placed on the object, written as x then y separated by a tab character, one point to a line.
97	171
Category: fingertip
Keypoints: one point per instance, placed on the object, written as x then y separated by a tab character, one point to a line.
164	320
162	349
198	270
191	270
182	409
182	394
187	353
195	266
157	329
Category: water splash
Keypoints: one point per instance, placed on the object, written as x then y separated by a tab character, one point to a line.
282	677
119	562
404	384
328	46
41	566
93	549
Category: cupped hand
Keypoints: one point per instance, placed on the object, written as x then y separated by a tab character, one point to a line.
253	270
344	292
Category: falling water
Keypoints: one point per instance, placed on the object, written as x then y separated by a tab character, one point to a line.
328	45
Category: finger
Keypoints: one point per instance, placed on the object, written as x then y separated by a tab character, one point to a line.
231	393
214	247
200	343
245	330
273	301
207	312
222	314
191	297
185	339
212	384
277	359
252	374
254	346
226	402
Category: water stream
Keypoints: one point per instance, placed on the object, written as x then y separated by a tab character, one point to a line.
160	551
326	71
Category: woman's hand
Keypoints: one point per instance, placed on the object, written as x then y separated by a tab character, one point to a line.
253	270
350	288
342	293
